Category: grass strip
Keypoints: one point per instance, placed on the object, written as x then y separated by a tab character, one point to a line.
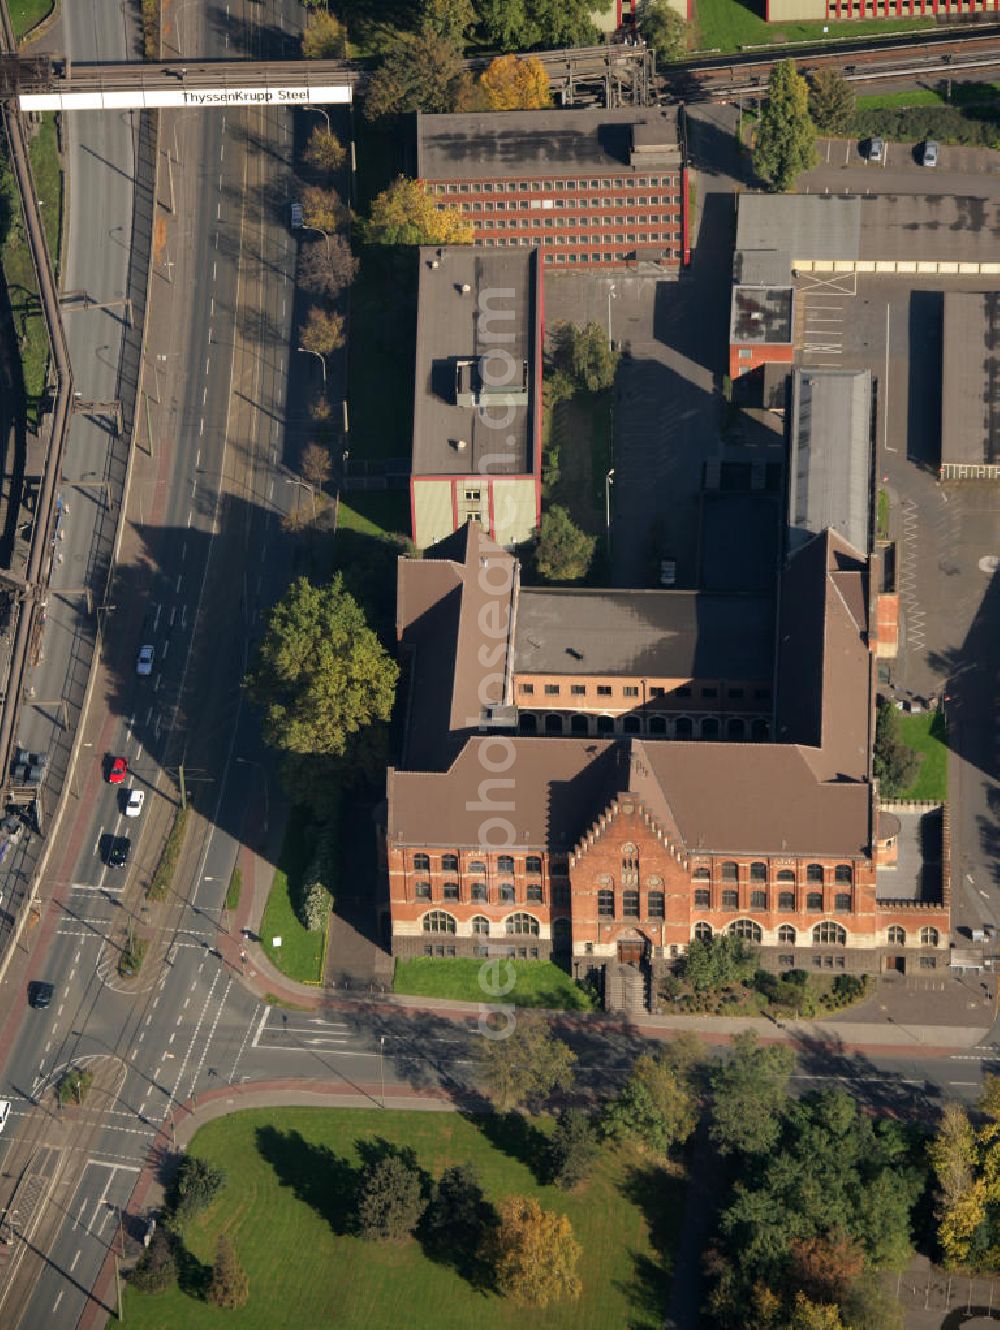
165	869
928	734
300	955
234	889
536	983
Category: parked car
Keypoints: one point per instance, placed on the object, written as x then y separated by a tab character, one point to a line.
118	851
40	994
144	661
134	802
929	156
876	149
117	770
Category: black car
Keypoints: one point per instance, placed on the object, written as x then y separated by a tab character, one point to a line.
118	851
40	993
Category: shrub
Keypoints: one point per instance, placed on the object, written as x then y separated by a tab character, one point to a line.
75	1085
165	869
573	1147
315	898
196	1186
229	1286
390	1200
157	1267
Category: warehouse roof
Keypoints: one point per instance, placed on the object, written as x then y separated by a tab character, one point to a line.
803	226
478	321
970	378
668	634
830	463
473	145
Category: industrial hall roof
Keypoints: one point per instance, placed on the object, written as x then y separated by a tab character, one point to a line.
478	331
970	378
477	146
830	464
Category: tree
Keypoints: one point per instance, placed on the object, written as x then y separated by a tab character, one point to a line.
458	1213
532	1253
327	266
822	1266
322	209
962	1195
525	1066
564	551
573	1147
868	1305
405	214
718	961
420	71
512	84
196	1185
517	25
786	137
390	1200
452	20
655	1105
229	1286
585	356
831	100
320	675
323	38
893	761
324	151
316	464
322	332
157	1267
809	1315
664	30
748	1093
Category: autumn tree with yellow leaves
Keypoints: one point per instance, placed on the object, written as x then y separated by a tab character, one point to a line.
405	214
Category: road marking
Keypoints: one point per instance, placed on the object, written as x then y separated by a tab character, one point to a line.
172	1037
98	841
214	266
166	648
58	1299
885	387
180	579
74	1261
218	212
201	427
963	1082
189	519
204	396
197	459
173	614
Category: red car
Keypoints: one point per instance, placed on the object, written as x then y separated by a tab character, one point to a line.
117	771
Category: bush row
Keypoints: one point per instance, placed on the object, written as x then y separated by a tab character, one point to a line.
979	127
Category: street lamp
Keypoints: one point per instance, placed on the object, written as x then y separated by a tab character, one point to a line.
321	359
381	1065
612	293
609	480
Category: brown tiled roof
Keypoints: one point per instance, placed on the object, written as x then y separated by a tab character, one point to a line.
450	614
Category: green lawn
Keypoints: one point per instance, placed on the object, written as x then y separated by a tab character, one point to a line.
24	14
928	734
580	427
18	270
300	955
384	514
537	983
883	514
971	94
291	1175
727	25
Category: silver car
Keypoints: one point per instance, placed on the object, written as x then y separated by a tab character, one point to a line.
144	661
929	156
876	149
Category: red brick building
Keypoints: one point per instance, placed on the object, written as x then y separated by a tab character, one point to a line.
591	188
616	844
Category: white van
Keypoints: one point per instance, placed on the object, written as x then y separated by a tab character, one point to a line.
4	1112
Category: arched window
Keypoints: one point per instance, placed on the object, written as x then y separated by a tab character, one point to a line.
814	873
606	904
553	724
842	902
829	934
449	863
758	871
527	722
929	937
505	863
710	728
897	936
477	866
605	725
533	864
579	725
746	928
785	875
735	729
786	900
683	727
702	875
422	863
436	921
703	932
786	935
631	725
506	891
843	875
657	725
422	891
480	924
814	902
521	925
730	871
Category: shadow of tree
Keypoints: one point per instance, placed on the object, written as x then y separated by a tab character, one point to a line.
193	1276
323	1180
659	1196
517	1137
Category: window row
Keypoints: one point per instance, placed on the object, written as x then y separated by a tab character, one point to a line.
565	234
511	953
929	937
632	690
735	728
550	186
515	925
729	871
450	864
575	206
759	900
630	906
477	891
826	934
670	254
